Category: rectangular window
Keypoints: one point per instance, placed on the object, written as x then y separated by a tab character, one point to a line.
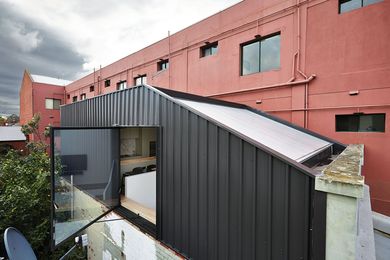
162	65
121	85
361	123
349	5
83	96
74	99
92	88
142	79
107	83
51	103
209	49
68	96
260	55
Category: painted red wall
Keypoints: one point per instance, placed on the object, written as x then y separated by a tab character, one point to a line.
32	101
345	52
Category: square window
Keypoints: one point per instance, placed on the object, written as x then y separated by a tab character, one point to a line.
83	96
51	103
74	99
260	55
162	65
121	85
107	83
142	79
209	49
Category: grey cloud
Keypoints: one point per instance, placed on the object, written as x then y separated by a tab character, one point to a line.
26	44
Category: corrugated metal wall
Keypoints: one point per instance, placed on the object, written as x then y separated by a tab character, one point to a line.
221	197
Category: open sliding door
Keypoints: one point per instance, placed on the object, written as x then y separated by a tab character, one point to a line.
85	178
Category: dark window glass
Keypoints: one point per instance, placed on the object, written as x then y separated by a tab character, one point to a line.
261	55
361	123
349	5
163	65
74	99
208	50
68	96
92	88
107	83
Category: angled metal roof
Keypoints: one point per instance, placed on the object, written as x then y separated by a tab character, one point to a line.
11	133
295	144
50	80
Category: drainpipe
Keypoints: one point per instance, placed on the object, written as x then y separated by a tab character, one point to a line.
293	83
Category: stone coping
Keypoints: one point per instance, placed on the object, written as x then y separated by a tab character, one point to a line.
343	175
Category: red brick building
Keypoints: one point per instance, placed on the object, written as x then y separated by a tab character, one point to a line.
321	64
41	95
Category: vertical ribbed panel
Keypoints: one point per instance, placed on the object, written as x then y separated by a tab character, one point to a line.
221	197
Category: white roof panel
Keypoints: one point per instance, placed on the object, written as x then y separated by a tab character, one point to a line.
11	133
50	80
279	137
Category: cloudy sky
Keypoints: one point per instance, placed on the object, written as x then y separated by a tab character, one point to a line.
67	39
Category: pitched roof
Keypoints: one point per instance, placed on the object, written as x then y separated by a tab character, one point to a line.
50	80
11	133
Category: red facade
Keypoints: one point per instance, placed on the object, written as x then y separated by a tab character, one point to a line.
331	64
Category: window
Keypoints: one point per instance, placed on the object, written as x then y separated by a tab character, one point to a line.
68	96
360	123
92	88
141	79
260	55
209	49
51	103
162	65
121	85
74	99
349	5
83	96
107	83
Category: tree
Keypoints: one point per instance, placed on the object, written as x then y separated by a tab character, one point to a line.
2	121
25	194
13	119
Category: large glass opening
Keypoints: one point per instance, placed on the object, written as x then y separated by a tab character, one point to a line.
138	171
85	178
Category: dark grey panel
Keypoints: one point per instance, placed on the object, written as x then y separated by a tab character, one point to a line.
221	197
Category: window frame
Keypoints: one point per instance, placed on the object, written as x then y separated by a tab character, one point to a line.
133	218
142	81
53	100
120	84
209	46
258	39
359	116
83	96
107	83
74	99
362	4
161	63
92	88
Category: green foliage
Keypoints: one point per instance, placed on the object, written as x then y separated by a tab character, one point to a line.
25	195
12	119
2	121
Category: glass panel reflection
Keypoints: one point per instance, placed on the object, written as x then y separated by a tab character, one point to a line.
250	58
86	179
270	53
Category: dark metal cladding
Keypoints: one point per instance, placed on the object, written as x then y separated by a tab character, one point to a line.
221	197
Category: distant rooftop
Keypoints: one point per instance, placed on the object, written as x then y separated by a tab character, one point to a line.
11	133
50	80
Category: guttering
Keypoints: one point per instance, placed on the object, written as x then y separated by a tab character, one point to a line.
289	83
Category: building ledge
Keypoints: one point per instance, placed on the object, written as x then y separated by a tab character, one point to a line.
343	175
